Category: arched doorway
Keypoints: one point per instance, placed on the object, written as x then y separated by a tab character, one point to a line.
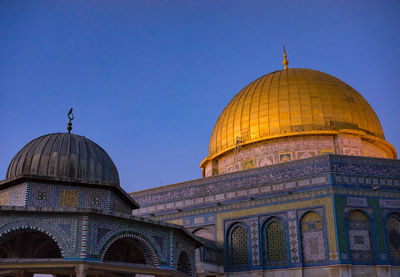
28	243
184	264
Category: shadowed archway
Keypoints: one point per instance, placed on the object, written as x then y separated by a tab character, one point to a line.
184	264
128	250
28	243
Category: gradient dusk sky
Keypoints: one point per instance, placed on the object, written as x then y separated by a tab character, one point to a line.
148	79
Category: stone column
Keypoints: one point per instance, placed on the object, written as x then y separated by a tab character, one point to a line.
383	271
81	270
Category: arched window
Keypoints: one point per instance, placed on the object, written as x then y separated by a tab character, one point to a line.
274	243
359	237
312	238
393	235
238	245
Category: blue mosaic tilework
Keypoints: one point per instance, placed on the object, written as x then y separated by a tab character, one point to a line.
84	237
50	195
242	179
270	175
103	230
255	241
364	166
340	202
91	195
89	236
171	246
36	190
66	227
294	243
374	203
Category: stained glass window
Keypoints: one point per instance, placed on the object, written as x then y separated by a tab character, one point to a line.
239	252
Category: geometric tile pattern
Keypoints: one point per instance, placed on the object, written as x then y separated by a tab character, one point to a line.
84	238
312	238
359	237
377	214
102	232
340	202
293	241
53	195
84	235
269	175
255	252
393	231
239	253
69	197
275	243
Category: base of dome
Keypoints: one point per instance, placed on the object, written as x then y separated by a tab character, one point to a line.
283	149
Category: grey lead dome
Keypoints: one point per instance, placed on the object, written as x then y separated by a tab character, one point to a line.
64	156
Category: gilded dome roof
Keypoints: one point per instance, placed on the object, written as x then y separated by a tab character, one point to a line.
293	101
64	156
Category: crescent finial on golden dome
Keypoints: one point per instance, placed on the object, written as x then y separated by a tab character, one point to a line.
285	61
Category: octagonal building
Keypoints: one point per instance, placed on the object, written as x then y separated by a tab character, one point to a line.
63	212
298	181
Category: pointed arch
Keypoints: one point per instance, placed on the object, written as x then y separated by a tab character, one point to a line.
184	265
238	244
312	238
274	242
393	236
360	239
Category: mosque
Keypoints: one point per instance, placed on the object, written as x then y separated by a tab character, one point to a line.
299	181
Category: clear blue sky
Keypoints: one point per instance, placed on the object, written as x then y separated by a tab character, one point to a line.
148	79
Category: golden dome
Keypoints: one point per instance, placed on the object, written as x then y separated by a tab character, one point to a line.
292	102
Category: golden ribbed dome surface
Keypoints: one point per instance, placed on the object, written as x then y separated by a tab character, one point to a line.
293	101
